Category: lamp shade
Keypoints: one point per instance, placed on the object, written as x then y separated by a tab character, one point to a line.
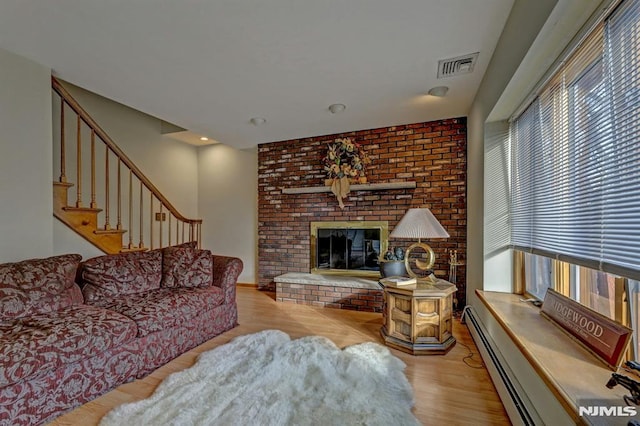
419	223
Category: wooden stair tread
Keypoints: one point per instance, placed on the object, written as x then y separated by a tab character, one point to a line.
129	250
109	231
81	209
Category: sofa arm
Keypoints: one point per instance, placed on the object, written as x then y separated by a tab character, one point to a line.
226	271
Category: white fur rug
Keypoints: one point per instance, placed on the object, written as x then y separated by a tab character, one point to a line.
268	379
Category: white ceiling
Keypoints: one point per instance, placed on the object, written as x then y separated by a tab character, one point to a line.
210	66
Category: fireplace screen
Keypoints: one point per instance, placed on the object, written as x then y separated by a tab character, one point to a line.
349	248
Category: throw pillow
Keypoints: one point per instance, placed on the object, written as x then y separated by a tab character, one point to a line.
124	273
187	267
37	286
188	244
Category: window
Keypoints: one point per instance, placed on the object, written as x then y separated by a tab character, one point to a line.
634	304
538	274
602	292
575	173
615	297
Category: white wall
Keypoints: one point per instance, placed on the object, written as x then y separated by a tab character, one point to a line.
67	241
169	164
228	204
26	191
216	183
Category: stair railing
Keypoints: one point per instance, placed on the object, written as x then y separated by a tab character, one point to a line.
145	208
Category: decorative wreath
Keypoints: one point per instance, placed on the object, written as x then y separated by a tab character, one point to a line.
345	158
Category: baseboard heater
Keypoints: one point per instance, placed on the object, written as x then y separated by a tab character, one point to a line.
516	403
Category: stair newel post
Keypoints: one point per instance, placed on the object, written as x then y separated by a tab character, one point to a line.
63	156
79	163
141	244
93	204
119	198
130	209
107	225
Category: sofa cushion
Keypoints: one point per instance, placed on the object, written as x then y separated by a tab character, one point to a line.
124	273
37	286
186	267
37	344
166	307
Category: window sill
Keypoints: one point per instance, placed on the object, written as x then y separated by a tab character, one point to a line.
570	371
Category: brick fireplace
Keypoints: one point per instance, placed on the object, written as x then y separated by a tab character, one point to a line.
432	154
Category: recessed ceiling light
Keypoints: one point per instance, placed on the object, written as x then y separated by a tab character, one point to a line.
336	108
204	138
257	121
439	91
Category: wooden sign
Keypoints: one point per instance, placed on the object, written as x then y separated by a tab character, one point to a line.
601	335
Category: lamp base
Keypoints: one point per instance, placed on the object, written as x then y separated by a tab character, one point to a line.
420	265
431	278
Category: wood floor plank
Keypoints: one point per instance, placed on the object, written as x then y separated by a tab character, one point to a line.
447	391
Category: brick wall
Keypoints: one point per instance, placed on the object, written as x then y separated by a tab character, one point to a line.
432	154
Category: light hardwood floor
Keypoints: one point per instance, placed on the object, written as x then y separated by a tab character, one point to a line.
447	390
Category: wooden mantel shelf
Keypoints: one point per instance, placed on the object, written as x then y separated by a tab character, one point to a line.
356	187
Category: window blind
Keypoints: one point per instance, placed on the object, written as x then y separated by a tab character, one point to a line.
497	158
575	182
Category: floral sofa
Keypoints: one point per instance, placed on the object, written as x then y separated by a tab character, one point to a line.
63	344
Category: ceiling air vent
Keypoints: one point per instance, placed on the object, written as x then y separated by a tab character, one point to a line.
457	66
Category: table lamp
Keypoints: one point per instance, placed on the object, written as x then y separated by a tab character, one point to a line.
418	223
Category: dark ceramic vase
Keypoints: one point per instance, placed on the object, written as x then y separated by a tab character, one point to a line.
392	268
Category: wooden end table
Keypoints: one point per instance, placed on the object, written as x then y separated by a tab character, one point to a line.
417	317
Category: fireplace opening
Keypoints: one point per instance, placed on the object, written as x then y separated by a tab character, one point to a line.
348	248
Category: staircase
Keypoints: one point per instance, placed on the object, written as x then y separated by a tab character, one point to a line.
125	211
